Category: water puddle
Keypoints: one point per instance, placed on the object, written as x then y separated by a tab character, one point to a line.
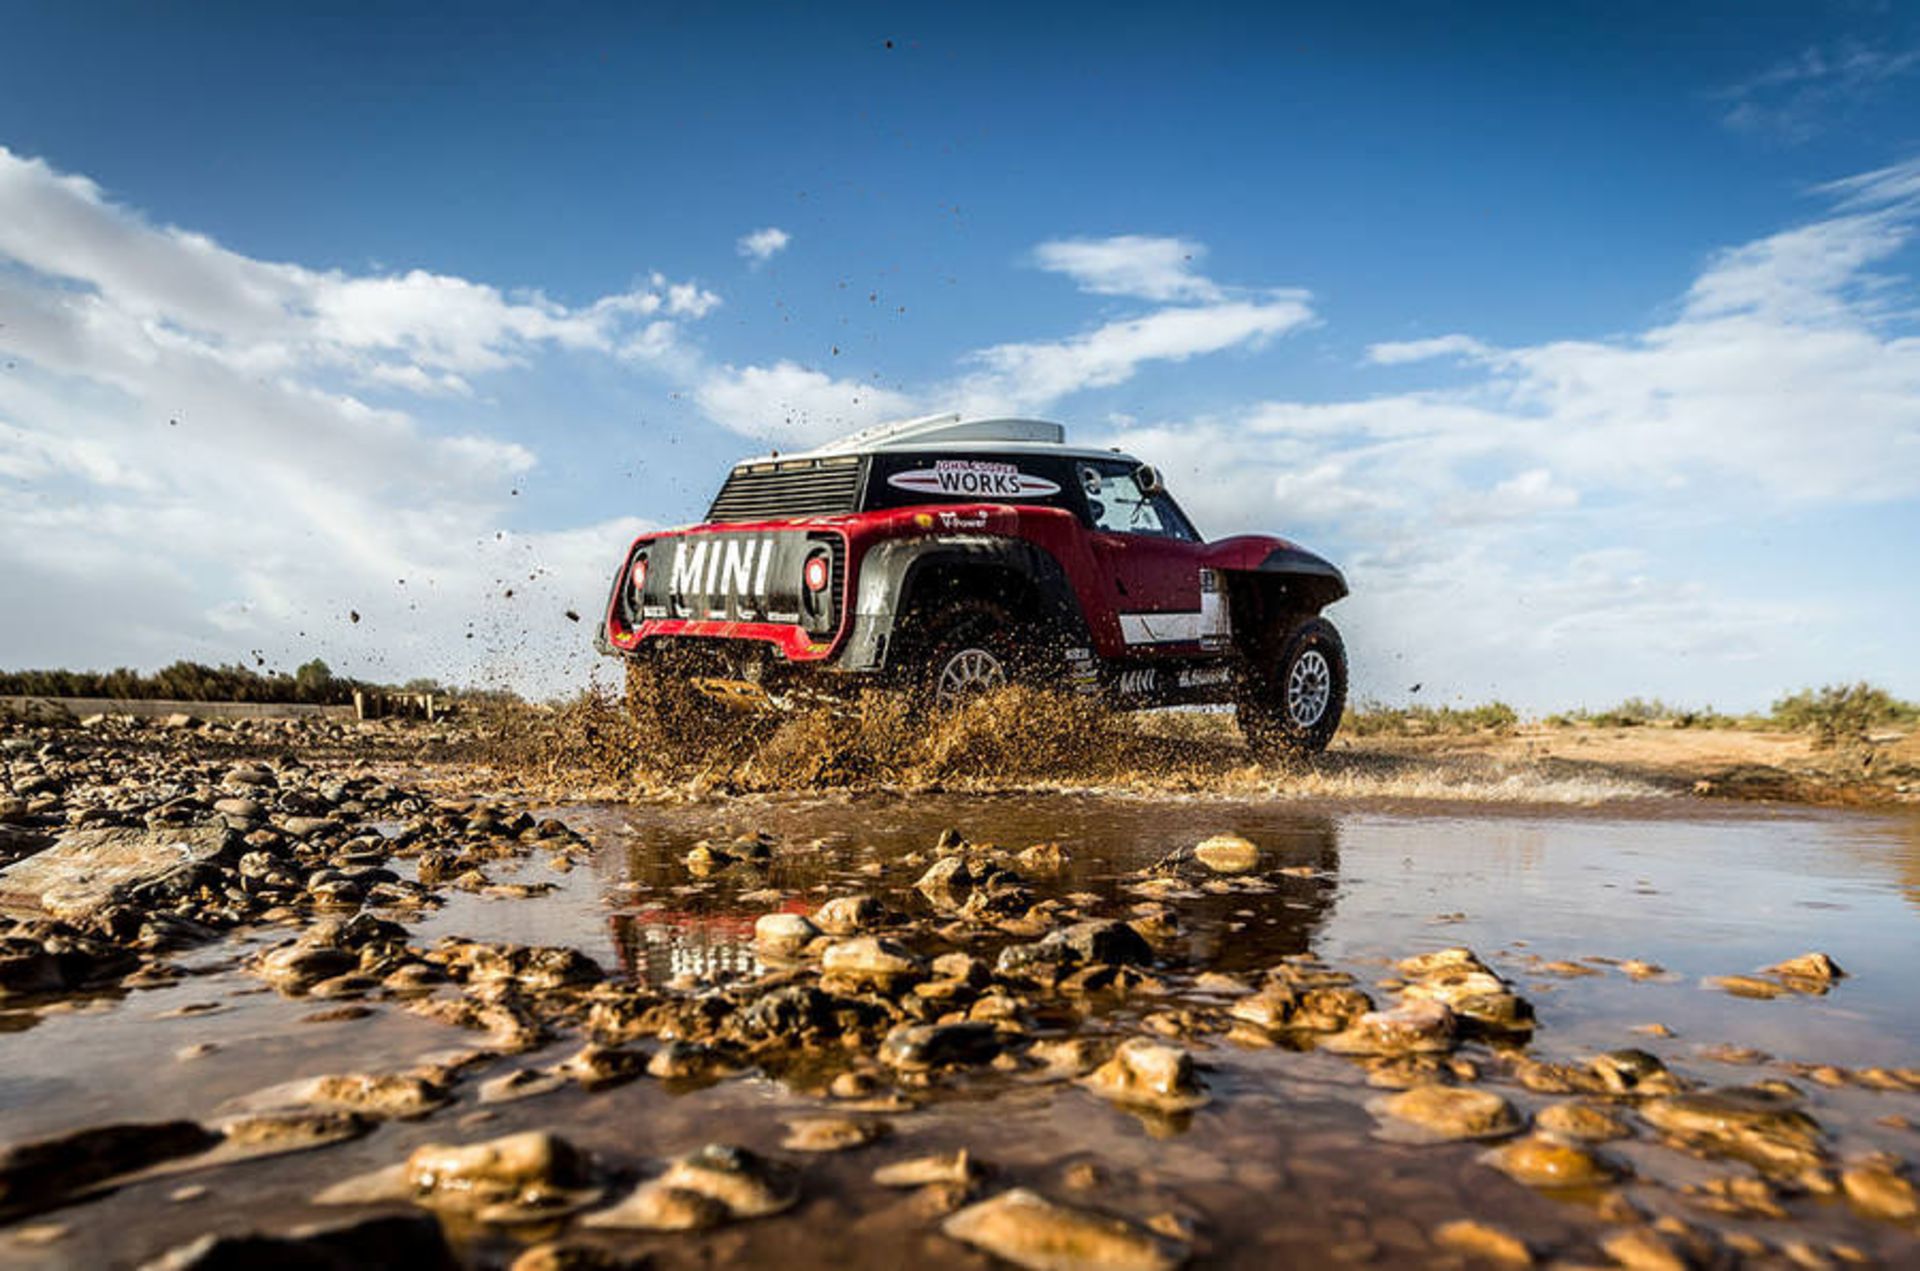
1280	1165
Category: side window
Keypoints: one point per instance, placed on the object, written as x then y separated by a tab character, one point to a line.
1115	504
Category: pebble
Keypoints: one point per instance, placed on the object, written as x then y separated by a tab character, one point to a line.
831	1134
1148	1074
955	1167
1878	1191
1028	1230
1446	1113
1540	1160
1582	1121
1761	1126
1483	1241
783	933
1228	854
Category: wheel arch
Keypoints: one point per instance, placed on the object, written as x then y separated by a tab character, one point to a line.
905	579
1288	583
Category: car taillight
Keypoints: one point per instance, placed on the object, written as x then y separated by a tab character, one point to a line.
816	574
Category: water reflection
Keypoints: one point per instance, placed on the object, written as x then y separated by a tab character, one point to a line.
677	925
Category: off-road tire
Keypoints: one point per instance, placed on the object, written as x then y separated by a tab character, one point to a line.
1300	668
964	648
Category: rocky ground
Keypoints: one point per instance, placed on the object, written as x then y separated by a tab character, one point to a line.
135	848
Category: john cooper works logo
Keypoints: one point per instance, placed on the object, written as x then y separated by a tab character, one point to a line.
974	479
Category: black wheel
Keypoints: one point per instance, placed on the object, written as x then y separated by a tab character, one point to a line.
1295	689
966	649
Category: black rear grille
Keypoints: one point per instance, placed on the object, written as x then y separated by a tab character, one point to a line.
792	487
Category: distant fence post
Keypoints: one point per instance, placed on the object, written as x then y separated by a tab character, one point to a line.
359	704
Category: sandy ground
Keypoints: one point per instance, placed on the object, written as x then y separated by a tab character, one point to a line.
1724	763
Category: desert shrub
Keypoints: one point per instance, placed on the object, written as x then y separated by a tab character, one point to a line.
1374	720
1841	714
1636	712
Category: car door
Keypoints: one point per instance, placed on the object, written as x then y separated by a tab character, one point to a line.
1148	558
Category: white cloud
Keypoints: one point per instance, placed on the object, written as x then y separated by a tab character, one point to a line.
1483	525
1397	352
196	457
1134	265
800	404
789	404
1796	99
763	244
1030	376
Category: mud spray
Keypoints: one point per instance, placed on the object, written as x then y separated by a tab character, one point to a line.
662	739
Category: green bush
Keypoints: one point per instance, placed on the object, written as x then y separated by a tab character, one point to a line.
1374	720
1840	714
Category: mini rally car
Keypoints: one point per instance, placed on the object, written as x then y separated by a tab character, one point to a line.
951	556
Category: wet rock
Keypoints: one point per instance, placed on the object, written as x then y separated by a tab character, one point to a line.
44	1172
1539	1160
1810	972
947	883
1545	1077
1760	1126
685	1061
518	1178
1878	1190
1633	1072
294	969
275	1133
716	1183
1228	854
521	1083
1030	1231
1102	940
1409	1028
1148	1074
922	1171
414	1241
393	1095
654	1206
870	961
555	1256
1747	986
1436	1114
1271	1009
922	1047
597	1067
1044	859
1455	960
1667	1245
783	934
1582	1122
89	870
848	915
1042	962
831	1134
1482	1241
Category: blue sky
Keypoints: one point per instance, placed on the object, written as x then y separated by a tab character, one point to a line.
1585	341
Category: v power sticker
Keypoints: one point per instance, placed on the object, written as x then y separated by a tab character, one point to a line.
974	479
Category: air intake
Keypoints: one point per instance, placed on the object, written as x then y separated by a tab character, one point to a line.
783	488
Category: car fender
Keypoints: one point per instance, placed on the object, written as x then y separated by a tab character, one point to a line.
891	570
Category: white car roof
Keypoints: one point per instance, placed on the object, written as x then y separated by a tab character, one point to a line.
953	434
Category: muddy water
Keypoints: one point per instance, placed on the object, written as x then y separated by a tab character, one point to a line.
1280	1166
